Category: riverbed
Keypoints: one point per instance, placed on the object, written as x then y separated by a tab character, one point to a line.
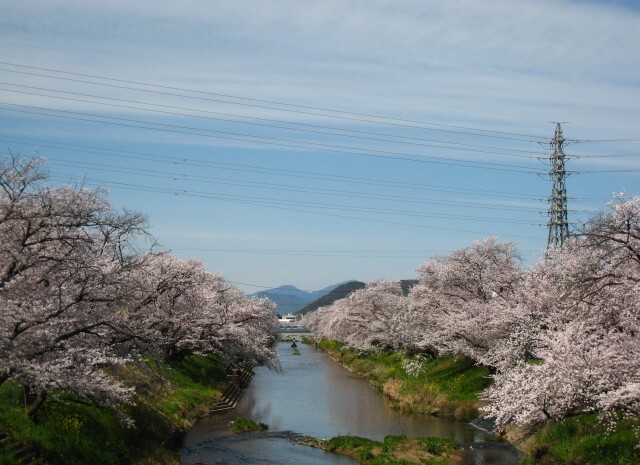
314	395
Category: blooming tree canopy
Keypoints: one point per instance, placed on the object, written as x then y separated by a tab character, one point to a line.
460	301
583	306
366	318
76	297
562	338
61	260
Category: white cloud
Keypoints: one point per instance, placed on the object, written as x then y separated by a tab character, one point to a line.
491	55
504	65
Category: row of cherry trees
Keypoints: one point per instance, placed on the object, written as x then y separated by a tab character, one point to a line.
561	338
77	295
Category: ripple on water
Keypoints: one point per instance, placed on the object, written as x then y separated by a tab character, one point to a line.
257	449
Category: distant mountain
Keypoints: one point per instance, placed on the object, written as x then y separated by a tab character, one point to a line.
343	290
337	293
290	299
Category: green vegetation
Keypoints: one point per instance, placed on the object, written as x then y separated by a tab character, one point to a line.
584	440
393	450
243	425
74	431
450	386
446	385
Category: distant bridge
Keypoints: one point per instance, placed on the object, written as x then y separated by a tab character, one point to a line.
287	333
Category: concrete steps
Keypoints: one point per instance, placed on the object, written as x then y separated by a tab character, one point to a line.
246	376
234	391
230	397
22	454
239	381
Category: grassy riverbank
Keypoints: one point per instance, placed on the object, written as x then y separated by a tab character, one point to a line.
244	425
450	386
393	450
584	440
446	386
73	432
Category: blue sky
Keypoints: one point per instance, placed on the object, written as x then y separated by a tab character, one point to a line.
309	143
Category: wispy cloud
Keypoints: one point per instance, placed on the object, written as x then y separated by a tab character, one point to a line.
499	56
504	65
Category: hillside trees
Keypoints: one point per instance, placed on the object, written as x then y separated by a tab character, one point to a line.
76	297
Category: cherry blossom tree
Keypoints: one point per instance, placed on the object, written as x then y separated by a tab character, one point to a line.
61	258
579	367
458	306
368	318
77	297
459	303
180	308
563	337
583	307
247	326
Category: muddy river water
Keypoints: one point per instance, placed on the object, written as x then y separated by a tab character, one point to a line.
316	396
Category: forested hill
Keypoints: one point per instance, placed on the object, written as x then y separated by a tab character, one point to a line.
287	298
344	290
290	299
407	284
338	293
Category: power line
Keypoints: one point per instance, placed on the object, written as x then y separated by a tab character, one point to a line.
282	205
623	170
610	155
335	192
340	193
593	141
323	253
364	115
360	209
262	140
182	160
344	132
272	171
463	149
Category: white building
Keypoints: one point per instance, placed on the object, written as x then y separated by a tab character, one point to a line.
288	319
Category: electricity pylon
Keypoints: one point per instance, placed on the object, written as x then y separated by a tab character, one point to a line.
558	220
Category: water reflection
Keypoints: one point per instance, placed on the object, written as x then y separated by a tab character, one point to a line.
255	448
316	396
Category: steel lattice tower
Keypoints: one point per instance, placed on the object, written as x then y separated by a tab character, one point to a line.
558	221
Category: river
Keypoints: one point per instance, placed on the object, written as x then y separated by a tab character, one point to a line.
316	396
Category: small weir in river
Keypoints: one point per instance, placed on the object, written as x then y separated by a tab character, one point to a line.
316	396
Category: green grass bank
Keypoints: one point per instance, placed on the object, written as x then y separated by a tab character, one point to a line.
584	440
73	431
450	386
446	386
393	450
244	425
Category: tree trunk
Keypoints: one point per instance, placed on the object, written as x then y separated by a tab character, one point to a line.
176	355
39	402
